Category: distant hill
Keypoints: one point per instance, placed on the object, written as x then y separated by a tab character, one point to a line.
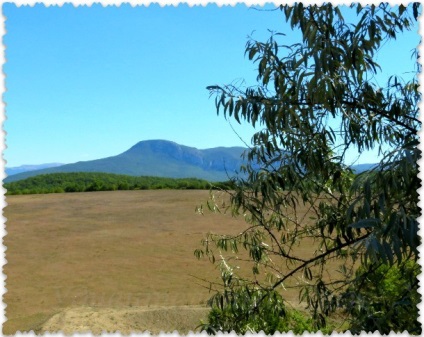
160	158
362	167
25	168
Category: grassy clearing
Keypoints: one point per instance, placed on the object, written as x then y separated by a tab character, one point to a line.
108	250
104	249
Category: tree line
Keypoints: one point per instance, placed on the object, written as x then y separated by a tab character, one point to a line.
97	181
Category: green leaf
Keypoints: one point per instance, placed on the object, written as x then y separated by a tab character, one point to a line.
365	223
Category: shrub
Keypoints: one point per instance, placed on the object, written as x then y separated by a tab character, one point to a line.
384	298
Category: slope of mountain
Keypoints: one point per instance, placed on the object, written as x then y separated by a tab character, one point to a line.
159	158
359	168
25	168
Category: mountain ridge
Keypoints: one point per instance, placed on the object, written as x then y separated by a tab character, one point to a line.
25	168
160	158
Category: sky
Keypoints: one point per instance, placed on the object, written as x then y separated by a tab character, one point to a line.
85	83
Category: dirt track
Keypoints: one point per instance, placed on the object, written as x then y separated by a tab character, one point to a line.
126	320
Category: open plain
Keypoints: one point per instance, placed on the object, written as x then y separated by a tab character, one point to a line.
108	251
120	260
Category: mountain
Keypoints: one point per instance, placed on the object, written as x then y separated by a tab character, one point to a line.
359	168
25	168
160	158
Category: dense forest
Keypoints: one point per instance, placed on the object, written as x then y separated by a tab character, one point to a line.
93	181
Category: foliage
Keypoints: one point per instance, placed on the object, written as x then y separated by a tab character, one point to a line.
92	181
384	298
271	314
231	310
314	101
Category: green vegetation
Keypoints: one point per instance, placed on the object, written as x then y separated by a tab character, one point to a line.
314	101
89	181
384	298
231	312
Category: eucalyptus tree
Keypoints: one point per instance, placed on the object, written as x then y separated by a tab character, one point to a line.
306	211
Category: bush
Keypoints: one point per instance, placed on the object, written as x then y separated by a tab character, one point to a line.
386	301
232	311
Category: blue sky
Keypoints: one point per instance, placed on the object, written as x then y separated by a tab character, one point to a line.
89	82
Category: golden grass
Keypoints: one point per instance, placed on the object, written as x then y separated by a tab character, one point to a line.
108	250
104	249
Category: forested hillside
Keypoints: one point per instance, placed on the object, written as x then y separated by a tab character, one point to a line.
95	181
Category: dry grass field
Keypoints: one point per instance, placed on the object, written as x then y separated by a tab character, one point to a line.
120	260
123	249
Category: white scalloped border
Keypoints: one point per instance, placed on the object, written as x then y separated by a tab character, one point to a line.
163	3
